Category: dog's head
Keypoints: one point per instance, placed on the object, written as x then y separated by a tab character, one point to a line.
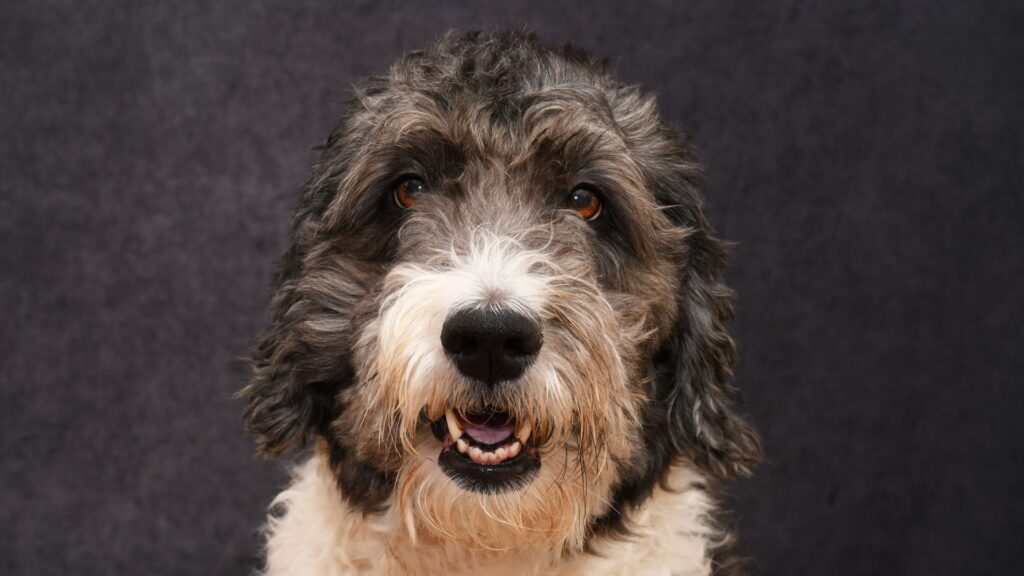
501	309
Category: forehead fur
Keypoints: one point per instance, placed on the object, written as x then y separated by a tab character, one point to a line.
519	124
503	93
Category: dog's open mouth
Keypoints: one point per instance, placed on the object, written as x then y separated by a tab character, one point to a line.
486	451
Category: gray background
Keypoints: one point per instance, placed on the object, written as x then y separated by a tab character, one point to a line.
866	156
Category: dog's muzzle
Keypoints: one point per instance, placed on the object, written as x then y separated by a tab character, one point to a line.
488	450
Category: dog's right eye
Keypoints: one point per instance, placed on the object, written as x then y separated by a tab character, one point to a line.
407	190
584	202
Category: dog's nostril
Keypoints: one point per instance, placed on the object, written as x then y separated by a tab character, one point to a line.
491	346
456	343
513	348
524	346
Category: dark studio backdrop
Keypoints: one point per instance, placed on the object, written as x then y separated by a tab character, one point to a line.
866	156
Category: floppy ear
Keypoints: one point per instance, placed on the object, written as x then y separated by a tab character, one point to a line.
293	388
694	366
299	370
279	411
283	402
697	381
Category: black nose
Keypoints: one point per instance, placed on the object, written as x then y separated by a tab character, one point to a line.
490	346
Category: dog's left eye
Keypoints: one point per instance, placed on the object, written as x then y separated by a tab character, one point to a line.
584	202
407	191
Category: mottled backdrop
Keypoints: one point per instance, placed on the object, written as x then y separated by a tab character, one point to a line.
865	156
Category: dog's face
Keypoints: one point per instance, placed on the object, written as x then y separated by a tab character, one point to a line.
501	309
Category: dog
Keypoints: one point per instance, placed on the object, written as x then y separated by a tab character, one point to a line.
501	328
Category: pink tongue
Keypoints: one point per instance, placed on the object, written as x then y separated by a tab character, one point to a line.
487	434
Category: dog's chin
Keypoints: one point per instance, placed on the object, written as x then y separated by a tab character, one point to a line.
514	474
487	453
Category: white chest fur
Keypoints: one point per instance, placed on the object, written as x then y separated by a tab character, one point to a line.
316	534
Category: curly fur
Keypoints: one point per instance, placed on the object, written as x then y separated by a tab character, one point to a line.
631	394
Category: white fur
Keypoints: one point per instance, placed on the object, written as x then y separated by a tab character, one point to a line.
315	533
575	394
578	397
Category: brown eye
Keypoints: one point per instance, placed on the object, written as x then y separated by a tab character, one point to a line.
585	202
407	190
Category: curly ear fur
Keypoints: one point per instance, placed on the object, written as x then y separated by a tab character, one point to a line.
291	393
286	400
691	411
698	391
694	366
298	372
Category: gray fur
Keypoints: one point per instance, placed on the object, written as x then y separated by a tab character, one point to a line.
502	127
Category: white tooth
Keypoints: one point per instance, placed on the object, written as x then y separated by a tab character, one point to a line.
475	453
524	432
514	449
462	445
502	453
490	458
453	424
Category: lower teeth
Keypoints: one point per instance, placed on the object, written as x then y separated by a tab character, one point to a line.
481	457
